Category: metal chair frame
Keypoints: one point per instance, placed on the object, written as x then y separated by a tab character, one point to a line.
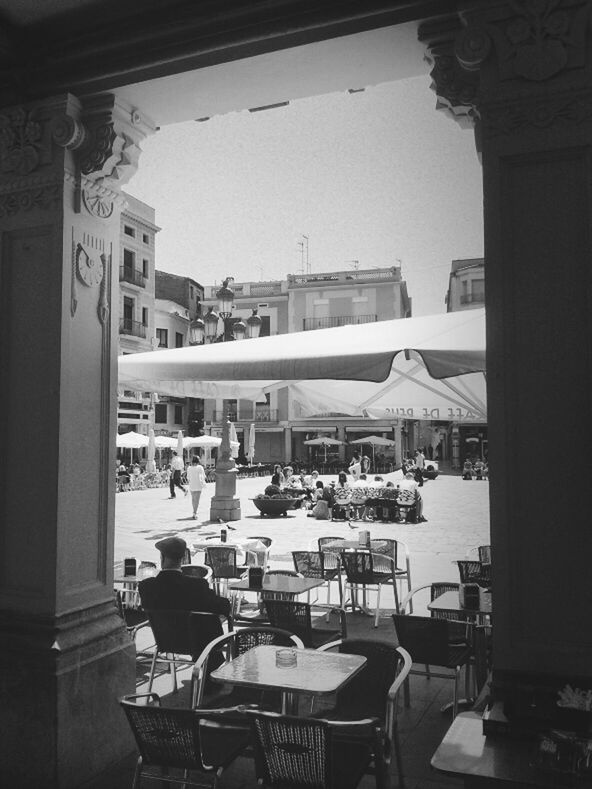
367	569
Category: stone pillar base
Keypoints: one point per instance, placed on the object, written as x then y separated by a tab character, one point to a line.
58	729
227	509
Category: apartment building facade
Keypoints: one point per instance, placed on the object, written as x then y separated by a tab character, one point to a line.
136	304
304	302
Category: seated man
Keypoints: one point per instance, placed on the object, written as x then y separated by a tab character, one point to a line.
173	590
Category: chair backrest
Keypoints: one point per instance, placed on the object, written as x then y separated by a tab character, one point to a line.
365	695
474	572
324	540
166	737
265	540
360	566
291	751
222	560
291	573
425	639
439	588
308	563
292	616
484	553
396	549
183	632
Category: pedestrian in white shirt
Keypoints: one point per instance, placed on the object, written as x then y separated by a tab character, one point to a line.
196	480
177	467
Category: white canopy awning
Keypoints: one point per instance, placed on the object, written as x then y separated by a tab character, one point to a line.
450	344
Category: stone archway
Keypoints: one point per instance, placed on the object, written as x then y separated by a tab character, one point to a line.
520	72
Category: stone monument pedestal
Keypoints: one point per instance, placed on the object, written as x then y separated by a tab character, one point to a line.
225	505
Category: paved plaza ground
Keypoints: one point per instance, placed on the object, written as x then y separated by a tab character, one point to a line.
457	513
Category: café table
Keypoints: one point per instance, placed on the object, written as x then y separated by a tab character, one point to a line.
488	761
314	672
449	602
255	547
278	584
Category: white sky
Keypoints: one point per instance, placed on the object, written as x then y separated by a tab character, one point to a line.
374	176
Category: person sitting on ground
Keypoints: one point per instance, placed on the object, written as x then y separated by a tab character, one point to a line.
287	472
378	481
277	477
467	471
358	497
322	501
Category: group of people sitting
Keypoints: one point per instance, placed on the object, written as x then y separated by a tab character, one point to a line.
356	497
475	469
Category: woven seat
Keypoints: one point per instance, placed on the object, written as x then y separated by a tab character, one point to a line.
296	618
373	691
188	740
428	642
302	753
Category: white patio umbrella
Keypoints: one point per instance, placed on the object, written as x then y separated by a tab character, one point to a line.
251	445
165	442
374	441
131	440
448	345
323	441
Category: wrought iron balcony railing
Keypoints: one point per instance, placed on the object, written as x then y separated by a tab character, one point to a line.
136	277
472	298
133	328
336	320
246	414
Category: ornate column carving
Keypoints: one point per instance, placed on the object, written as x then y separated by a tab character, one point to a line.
62	164
525	66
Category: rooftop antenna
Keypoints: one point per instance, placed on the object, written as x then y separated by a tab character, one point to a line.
307	256
355	264
301	245
260	272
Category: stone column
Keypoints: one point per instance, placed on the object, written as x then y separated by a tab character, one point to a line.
398	442
225	505
519	72
66	657
287	444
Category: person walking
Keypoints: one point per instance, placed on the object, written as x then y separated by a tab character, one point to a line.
177	469
196	482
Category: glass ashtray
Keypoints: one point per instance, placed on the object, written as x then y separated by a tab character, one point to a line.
286	658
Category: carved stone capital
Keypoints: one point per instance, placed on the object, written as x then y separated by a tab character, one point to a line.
109	156
511	49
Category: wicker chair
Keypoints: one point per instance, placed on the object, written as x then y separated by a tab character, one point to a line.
400	553
428	641
458	620
188	740
473	572
374	690
296	618
306	752
318	564
222	560
231	645
483	553
181	637
365	569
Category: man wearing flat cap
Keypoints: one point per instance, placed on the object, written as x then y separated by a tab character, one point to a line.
172	590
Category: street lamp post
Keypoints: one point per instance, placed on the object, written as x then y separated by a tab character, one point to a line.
225	505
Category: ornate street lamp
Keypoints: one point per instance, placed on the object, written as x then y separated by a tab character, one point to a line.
196	332
253	326
225	296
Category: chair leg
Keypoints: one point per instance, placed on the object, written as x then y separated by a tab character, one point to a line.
152	670
397	749
137	772
377	614
406	694
173	667
455	697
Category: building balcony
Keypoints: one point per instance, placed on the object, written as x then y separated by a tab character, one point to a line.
329	322
472	298
132	275
256	414
132	328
